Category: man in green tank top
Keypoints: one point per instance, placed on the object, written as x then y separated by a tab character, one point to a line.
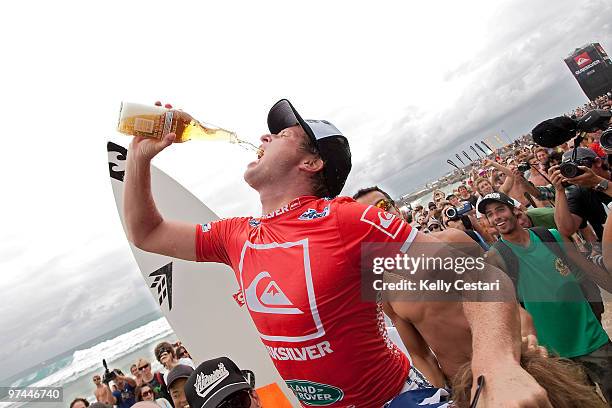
550	291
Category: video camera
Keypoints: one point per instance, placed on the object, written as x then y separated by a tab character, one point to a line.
556	131
108	375
454	213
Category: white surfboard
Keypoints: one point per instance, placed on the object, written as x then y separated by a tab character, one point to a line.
201	301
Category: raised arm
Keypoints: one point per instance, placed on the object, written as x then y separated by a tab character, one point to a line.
496	339
567	223
146	228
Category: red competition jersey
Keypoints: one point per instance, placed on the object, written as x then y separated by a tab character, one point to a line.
299	271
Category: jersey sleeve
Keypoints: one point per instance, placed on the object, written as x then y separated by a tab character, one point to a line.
361	224
212	241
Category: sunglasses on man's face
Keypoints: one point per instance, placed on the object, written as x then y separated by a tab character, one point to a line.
433	227
96	378
144	367
239	399
384	204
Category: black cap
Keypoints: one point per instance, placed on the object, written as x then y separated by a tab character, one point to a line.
179	371
494	197
330	142
554	132
581	153
213	381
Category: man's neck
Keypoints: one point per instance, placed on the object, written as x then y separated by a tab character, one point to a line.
519	236
273	199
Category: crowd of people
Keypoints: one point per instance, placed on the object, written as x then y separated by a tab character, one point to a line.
537	229
544	230
114	388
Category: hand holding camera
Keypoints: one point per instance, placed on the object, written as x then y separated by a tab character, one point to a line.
108	375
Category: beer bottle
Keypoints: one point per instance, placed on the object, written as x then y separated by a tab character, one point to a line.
157	122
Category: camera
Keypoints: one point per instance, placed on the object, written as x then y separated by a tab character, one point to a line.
455	213
108	375
523	167
570	169
605	140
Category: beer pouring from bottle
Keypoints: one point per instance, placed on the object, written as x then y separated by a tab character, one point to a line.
157	121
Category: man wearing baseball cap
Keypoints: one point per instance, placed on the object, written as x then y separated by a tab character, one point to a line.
299	267
549	288
583	202
219	383
177	377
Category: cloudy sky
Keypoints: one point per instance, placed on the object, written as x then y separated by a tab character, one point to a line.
410	84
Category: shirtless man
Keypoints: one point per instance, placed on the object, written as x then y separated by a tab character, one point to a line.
102	392
516	185
419	324
300	163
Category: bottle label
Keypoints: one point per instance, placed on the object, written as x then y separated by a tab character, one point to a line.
167	123
144	125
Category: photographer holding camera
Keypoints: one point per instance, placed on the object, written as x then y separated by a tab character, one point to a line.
584	200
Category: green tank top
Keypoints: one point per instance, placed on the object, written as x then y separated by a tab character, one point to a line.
567	328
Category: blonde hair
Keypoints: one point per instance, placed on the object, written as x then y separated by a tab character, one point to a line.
564	382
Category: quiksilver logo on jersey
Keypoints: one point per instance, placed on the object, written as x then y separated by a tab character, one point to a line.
386	222
279	291
205	383
315	394
272	300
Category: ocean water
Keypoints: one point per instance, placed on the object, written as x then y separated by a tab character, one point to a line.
74	370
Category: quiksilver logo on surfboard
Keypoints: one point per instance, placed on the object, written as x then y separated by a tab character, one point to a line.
205	383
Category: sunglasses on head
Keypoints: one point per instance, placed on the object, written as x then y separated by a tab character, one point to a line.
239	399
144	367
384	204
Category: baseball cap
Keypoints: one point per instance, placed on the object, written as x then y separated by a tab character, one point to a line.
330	142
581	153
494	197
213	381
179	371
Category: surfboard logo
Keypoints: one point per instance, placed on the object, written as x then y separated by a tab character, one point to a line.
272	300
163	284
116	167
281	297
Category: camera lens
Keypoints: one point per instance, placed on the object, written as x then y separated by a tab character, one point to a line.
523	167
451	213
569	170
605	140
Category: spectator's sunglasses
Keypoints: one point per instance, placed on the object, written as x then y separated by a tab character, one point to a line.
146	393
144	367
384	204
433	227
239	399
162	351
